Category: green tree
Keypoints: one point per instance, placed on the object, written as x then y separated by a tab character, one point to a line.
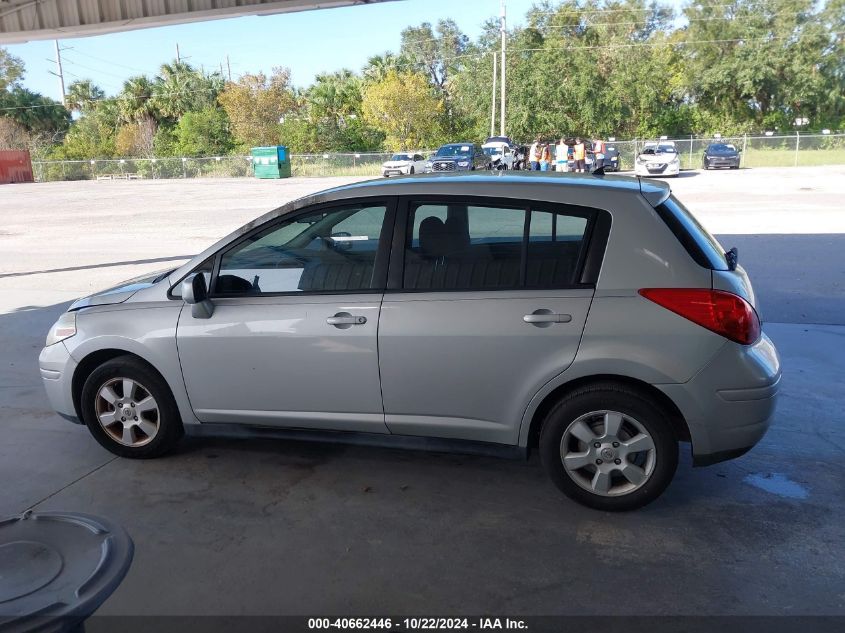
38	114
11	69
435	51
135	101
203	133
765	63
255	104
404	107
83	96
180	88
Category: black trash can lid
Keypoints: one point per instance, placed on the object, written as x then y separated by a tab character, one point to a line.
59	567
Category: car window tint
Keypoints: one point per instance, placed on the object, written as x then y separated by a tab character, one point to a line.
322	252
456	246
555	241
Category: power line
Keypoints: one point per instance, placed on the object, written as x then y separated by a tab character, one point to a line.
621	10
477	55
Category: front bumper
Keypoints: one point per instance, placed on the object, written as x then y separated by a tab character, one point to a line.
714	163
57	366
652	170
728	405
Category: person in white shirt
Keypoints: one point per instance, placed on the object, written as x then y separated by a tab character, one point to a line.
534	155
598	153
562	156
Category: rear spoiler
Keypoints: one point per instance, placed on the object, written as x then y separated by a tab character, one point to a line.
654	191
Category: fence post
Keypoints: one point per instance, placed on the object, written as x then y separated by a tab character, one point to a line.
797	142
689	166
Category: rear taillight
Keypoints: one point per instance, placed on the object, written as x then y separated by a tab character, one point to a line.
721	312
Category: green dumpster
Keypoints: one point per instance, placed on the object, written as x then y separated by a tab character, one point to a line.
271	162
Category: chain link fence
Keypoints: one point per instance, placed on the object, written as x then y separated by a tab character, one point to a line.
756	151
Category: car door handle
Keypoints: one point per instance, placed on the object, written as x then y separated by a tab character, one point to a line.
342	319
545	317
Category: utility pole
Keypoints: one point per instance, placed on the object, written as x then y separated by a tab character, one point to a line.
178	57
59	72
504	66
493	100
229	68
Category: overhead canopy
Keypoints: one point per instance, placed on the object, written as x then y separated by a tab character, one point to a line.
23	20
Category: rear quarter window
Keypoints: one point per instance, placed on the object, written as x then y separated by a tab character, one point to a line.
702	247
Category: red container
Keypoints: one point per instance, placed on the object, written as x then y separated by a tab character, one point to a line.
15	166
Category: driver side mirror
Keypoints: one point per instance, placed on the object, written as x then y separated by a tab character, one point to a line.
195	294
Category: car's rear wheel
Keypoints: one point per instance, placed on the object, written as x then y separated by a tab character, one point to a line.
130	410
609	447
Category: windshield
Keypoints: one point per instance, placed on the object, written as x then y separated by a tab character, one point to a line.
721	147
660	149
490	151
454	150
401	157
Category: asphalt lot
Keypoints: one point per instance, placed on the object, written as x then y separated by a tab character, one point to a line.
284	527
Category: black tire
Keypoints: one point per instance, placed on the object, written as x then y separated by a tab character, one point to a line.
411	171
734	166
630	402
170	429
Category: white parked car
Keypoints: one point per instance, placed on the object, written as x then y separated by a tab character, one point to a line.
499	153
658	159
403	163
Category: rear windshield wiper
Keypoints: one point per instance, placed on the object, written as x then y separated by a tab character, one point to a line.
732	257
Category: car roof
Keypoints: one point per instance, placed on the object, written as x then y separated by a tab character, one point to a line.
483	184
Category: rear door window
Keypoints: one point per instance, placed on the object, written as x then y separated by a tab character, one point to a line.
459	246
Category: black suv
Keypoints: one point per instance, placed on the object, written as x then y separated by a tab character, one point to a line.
457	157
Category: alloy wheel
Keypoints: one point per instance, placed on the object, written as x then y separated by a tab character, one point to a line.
127	412
608	453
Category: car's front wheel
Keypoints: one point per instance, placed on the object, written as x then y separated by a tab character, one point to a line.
609	447
130	410
411	171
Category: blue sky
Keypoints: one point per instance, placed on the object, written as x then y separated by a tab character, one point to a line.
308	43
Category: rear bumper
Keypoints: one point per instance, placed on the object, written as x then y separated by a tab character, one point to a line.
725	421
57	366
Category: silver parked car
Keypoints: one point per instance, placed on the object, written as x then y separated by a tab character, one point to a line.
592	318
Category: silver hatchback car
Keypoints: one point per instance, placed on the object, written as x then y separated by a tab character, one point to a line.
591	317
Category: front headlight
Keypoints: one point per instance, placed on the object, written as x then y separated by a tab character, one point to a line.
62	329
463	163
428	164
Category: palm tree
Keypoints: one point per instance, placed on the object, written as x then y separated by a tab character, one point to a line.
135	101
180	88
83	95
379	65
